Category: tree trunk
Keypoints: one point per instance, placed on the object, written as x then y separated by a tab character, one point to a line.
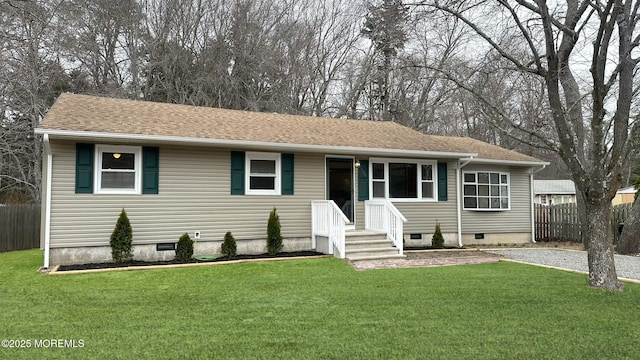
629	242
602	270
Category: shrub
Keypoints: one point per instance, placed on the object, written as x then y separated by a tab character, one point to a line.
229	247
184	249
121	239
437	241
274	238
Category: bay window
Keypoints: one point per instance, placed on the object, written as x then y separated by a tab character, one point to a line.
483	190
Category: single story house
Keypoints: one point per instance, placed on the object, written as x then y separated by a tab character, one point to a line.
206	171
554	192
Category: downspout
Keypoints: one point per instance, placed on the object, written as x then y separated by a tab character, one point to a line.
459	199
533	220
47	204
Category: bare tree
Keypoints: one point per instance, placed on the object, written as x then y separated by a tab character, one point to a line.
590	111
31	78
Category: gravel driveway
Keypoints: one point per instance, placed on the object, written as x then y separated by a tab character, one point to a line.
626	266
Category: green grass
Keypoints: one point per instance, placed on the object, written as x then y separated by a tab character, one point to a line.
318	308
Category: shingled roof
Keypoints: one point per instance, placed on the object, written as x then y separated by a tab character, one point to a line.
83	115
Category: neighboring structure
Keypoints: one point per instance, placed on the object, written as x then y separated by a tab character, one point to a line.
624	196
554	192
206	171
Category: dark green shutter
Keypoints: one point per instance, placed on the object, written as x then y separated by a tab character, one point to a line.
363	180
287	174
150	169
237	173
84	168
442	181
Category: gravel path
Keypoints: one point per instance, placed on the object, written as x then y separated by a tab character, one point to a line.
626	266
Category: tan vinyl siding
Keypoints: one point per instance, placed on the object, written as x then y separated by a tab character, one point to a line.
518	219
422	216
194	196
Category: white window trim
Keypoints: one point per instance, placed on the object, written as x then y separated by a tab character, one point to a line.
247	173
136	150
419	163
476	183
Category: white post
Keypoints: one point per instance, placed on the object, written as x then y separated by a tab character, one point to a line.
47	205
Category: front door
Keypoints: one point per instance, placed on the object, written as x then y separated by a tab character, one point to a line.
340	184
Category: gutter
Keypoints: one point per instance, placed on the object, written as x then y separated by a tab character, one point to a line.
47	204
458	196
259	145
533	219
510	162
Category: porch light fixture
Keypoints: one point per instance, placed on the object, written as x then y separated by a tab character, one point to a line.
357	164
116	156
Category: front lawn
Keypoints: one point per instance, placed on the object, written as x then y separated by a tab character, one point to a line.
317	308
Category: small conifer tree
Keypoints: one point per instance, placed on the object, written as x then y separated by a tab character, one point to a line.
437	241
274	238
184	249
229	247
121	239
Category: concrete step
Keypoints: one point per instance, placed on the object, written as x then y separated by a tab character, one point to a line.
351	236
367	244
387	250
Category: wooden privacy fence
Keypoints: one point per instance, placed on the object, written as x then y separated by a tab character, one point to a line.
561	223
19	227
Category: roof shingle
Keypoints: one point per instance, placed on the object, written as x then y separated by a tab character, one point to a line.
83	113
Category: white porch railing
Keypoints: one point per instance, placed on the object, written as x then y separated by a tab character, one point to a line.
328	220
381	215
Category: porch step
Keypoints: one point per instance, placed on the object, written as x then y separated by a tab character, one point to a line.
363	244
359	235
369	245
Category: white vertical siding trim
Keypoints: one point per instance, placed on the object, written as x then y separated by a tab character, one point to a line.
459	166
47	204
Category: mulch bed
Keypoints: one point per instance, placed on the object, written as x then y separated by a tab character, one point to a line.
94	266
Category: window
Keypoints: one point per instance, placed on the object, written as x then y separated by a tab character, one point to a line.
118	169
263	173
403	180
486	191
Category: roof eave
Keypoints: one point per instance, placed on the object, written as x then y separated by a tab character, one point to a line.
256	145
